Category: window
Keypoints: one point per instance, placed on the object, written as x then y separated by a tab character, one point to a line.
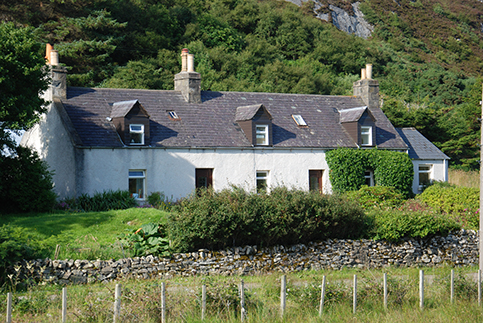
262	134
299	120
262	180
369	176
136	183
204	177
366	136
173	115
136	132
424	172
315	180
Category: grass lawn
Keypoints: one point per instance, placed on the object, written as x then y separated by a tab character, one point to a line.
84	235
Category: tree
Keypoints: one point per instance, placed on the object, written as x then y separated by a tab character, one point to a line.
25	183
22	80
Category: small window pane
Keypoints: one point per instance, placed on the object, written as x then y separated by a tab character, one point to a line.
299	120
136	183
366	136
262	180
136	173
136	138
136	127
262	135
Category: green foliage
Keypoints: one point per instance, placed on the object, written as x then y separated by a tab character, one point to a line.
451	199
347	167
150	239
396	224
16	244
159	201
105	201
213	220
25	183
376	196
22	79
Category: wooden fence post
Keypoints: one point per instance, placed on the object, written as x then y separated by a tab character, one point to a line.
283	295
452	287
385	291
242	301
203	302
117	303
9	307
421	289
163	303
64	304
322	296
354	296
479	287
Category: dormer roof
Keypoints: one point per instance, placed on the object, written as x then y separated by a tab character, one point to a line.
246	113
354	114
121	109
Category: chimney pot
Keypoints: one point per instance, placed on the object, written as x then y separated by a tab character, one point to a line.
48	49
369	71
54	57
191	63
363	73
184	60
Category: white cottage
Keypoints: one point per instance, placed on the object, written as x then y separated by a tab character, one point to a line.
144	141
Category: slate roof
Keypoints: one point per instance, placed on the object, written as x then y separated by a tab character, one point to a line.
121	109
419	146
247	112
212	123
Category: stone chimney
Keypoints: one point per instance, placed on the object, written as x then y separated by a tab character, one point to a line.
188	82
366	88
58	74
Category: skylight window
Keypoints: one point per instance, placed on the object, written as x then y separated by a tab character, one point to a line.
299	120
172	115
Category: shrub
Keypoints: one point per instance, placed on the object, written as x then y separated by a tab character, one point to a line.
25	183
150	239
392	169
393	224
212	219
105	201
377	196
451	199
159	201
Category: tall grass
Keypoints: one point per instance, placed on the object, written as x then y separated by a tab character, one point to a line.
464	178
141	299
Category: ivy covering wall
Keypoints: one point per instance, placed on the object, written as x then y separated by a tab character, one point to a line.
391	168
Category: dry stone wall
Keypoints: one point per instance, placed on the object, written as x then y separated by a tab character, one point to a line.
459	249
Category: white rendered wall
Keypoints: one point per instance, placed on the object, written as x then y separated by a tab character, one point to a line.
53	144
172	171
439	171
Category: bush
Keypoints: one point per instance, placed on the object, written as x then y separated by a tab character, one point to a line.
150	239
158	200
391	168
212	219
25	183
105	201
377	196
393	225
451	199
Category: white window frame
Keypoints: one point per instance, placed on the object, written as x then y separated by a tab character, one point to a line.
428	171
366	131
262	175
299	120
262	130
142	176
369	175
135	131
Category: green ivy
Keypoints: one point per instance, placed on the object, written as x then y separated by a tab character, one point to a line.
347	167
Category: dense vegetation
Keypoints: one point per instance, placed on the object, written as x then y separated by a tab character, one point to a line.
426	53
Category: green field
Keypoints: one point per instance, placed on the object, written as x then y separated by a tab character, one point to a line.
92	235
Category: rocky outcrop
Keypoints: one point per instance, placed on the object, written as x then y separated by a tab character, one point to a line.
351	23
457	249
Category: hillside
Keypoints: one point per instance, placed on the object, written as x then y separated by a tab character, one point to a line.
427	54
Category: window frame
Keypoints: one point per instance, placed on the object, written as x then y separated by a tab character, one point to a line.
264	178
299	120
369	175
265	133
319	174
132	176
367	133
131	131
429	173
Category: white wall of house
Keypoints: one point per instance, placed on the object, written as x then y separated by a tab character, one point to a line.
52	142
172	171
438	171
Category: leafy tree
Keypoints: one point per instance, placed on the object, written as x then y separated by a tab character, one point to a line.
25	183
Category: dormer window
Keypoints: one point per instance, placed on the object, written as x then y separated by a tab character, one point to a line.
262	135
366	136
136	132
256	123
299	120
